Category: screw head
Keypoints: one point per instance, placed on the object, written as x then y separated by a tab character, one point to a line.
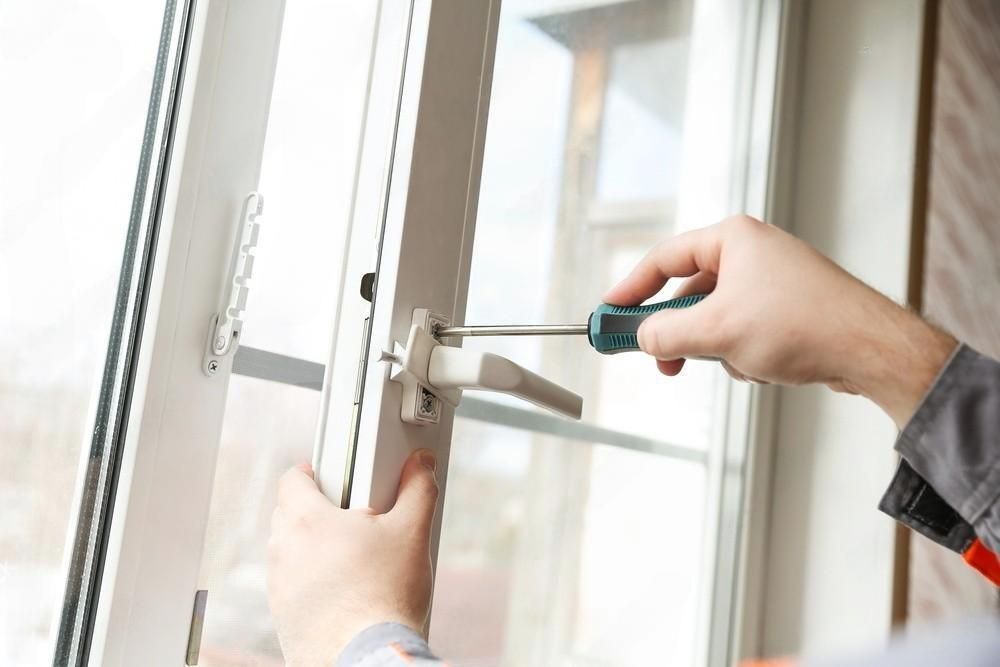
220	342
213	366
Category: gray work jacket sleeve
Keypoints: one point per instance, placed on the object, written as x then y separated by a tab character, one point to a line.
388	645
947	486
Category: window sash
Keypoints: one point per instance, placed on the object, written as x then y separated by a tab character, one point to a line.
426	212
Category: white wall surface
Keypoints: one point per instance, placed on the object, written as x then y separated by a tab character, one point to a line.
828	585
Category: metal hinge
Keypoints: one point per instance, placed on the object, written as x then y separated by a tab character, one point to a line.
226	324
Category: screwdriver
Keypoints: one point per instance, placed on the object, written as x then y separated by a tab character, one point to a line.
610	329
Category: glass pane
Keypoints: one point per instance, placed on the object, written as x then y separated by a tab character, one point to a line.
307	180
268	428
81	76
560	552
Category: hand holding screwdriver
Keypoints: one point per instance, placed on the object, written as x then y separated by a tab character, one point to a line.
779	311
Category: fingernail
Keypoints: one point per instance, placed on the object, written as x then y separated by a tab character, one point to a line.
428	461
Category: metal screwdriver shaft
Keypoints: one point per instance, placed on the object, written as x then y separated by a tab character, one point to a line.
516	330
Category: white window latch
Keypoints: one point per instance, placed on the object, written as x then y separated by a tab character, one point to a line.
224	331
431	372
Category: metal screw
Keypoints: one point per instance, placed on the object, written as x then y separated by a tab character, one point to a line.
428	406
220	342
213	366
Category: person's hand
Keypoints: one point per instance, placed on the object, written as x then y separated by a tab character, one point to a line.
779	311
333	572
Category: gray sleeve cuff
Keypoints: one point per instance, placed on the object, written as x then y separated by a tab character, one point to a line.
387	645
953	440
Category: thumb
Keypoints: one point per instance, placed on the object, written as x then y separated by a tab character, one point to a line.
418	493
680	333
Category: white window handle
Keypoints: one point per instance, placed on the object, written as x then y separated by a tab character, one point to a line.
431	372
455	368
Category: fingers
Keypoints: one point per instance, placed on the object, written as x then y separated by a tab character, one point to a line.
702	282
297	491
684	255
670	367
418	493
680	333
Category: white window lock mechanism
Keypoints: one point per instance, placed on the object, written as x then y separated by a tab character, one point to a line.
224	331
431	372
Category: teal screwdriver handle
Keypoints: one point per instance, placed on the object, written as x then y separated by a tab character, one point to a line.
612	329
